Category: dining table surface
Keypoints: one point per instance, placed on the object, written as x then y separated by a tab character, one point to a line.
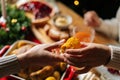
78	21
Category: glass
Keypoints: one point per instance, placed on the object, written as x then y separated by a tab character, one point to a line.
86	34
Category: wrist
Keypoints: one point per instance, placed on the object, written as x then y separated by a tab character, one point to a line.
115	57
109	51
22	58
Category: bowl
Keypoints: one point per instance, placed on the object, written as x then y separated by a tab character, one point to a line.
24	74
38	11
62	21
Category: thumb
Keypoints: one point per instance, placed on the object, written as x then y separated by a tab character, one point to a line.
85	44
55	45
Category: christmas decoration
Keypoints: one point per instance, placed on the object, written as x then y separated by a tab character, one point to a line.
16	27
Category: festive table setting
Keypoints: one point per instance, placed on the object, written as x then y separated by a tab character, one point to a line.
26	23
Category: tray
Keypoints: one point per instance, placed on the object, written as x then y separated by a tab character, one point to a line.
13	47
44	36
100	73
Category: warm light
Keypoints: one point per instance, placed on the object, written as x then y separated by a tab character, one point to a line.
76	2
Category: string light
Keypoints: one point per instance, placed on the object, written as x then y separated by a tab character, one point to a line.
76	2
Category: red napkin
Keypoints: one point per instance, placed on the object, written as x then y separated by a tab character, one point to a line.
8	78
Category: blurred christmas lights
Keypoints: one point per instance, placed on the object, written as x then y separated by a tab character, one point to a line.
76	2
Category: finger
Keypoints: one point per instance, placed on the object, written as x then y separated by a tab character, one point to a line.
39	46
73	51
86	69
85	43
73	64
58	58
76	64
80	51
75	58
54	45
82	64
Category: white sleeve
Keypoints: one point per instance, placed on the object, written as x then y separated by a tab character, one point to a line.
111	27
9	65
115	57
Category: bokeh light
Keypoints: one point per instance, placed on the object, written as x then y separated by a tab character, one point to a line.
76	2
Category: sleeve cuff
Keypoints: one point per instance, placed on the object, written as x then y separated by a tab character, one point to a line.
115	57
9	65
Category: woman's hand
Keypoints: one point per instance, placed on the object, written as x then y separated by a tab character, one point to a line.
91	56
92	19
41	55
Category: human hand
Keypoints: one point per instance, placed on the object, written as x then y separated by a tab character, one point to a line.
41	55
88	57
92	19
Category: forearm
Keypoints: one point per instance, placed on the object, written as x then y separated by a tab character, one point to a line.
9	65
115	58
109	28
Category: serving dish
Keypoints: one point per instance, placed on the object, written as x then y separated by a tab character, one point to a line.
49	33
62	21
25	74
38	11
98	73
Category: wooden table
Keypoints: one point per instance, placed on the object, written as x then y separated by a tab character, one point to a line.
99	37
78	21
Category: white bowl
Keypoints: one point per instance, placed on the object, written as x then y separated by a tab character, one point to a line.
62	21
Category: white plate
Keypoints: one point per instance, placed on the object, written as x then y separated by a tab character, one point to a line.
107	75
12	47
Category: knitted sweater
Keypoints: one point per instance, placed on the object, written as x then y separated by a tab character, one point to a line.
9	65
112	29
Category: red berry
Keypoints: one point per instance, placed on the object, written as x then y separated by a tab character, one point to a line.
3	25
23	28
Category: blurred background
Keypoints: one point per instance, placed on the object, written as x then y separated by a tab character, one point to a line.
105	8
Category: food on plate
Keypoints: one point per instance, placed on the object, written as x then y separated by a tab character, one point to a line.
23	73
46	28
22	49
50	33
74	41
35	72
51	78
114	71
64	35
56	34
43	36
56	74
62	66
62	21
37	11
71	43
43	73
